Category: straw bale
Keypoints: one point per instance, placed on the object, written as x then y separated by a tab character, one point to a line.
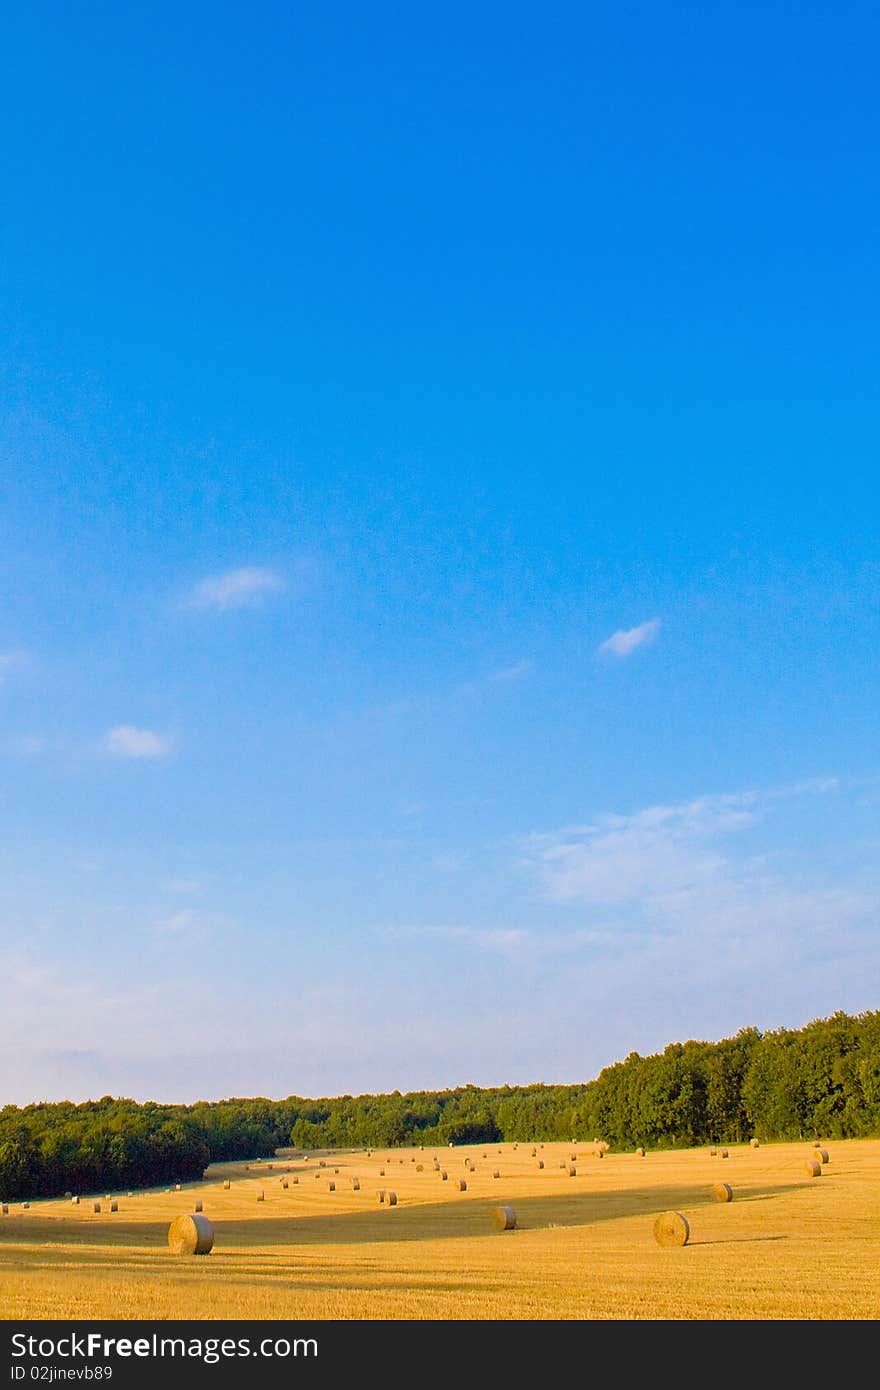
191	1235
671	1228
503	1218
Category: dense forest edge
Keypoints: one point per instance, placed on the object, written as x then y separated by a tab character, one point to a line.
823	1079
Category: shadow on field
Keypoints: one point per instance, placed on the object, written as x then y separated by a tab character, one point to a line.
410	1221
738	1240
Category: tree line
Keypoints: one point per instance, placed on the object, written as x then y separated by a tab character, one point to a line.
820	1080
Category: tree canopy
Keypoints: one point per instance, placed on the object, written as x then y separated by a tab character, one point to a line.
786	1084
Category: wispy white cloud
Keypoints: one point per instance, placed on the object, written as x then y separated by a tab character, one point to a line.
12	661
505	675
478	686
27	745
511	673
128	741
659	849
669	865
236	588
625	641
178	921
183	885
507	941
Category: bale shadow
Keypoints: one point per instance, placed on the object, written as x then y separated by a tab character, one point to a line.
738	1240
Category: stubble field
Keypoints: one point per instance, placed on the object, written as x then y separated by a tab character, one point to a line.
787	1246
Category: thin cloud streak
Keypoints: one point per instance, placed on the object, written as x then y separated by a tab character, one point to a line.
511	673
237	588
128	741
178	921
660	851
625	641
11	662
511	942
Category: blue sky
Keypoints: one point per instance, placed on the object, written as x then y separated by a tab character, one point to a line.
438	540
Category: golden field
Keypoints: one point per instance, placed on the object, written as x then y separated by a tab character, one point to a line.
787	1246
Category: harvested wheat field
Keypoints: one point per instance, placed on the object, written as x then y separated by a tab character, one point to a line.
581	1247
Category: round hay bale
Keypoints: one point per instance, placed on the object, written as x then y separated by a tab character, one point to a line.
462	1185
444	1176
336	1170
821	1155
572	1172
355	1185
420	1167
96	1207
130	1194
68	1195
177	1187
197	1206
503	1218
191	1235
26	1206
381	1172
4	1208
381	1195
573	1158
284	1183
74	1201
321	1163
295	1181
813	1168
261	1196
534	1153
227	1185
754	1144
540	1163
671	1228
723	1153
391	1198
713	1153
640	1152
722	1192
331	1186
114	1206
496	1173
